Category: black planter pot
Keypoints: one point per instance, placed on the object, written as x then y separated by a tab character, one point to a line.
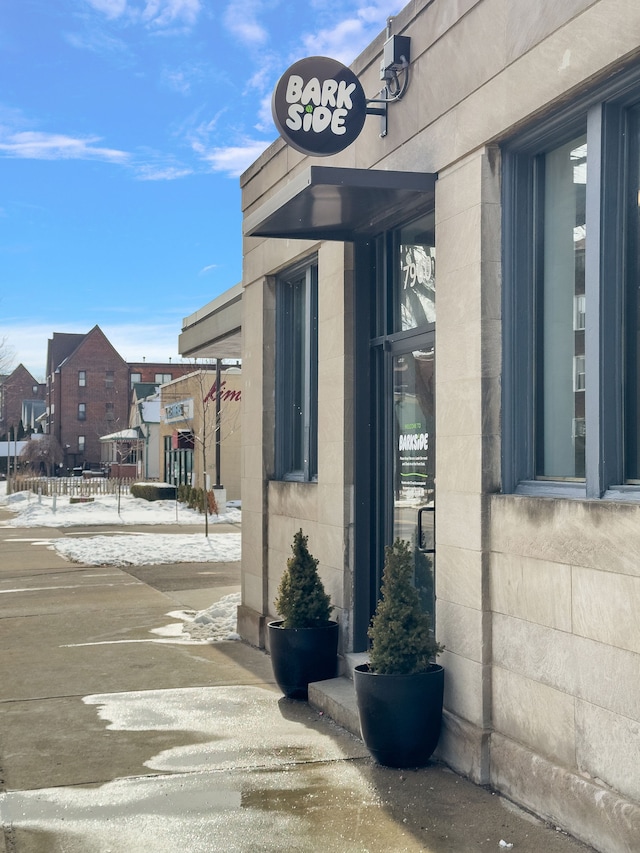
302	655
400	715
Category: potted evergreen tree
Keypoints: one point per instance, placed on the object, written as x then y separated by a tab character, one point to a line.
400	691
304	642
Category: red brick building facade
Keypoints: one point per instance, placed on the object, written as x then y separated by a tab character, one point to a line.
16	388
87	394
157	373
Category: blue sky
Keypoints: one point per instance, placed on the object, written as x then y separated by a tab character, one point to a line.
124	127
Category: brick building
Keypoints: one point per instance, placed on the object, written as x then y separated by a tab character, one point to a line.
87	394
89	391
17	388
156	373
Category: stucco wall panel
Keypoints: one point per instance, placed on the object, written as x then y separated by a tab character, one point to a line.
461	457
606	607
458	410
535	715
608	748
461	630
529	23
598	816
594	534
536	590
478	39
459	518
597	673
465	688
459	576
293	500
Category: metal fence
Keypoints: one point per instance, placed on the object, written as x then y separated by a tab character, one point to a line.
72	486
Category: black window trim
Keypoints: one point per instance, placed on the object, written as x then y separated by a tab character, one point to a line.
603	113
283	470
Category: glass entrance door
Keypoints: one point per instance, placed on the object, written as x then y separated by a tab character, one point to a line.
394	410
413	441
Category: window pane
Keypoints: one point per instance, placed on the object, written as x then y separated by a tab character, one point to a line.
298	373
632	310
560	360
416	285
296	376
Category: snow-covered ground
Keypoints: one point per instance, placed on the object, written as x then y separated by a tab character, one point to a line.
39	511
217	622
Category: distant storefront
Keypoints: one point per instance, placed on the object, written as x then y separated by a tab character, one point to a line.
200	430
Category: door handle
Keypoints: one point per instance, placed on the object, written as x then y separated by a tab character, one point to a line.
421	511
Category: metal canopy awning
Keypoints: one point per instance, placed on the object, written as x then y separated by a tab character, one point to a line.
329	203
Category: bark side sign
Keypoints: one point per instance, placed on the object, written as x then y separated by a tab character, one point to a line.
319	106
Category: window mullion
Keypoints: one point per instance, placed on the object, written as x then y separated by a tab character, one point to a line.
593	345
306	449
604	336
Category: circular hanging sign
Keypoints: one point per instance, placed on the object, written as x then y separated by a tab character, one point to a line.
319	106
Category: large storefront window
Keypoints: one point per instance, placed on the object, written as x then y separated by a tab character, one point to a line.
297	374
571	313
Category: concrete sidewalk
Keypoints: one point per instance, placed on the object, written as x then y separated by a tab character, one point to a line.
116	740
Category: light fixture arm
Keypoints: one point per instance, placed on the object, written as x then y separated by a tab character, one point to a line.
394	71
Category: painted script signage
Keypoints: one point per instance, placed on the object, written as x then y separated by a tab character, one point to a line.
319	106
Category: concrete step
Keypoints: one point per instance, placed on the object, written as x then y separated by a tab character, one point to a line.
336	697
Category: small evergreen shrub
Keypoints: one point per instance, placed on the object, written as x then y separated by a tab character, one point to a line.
400	631
153	491
302	601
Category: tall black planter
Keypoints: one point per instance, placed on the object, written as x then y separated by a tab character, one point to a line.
300	656
400	715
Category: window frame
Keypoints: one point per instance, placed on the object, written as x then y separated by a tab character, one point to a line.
605	114
286	451
82	379
82	411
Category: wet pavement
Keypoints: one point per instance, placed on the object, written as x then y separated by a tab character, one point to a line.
115	739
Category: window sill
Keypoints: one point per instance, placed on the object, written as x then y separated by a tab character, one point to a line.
575	491
622	494
551	489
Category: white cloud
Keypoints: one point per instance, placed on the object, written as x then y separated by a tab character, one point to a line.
265	116
347	38
146	341
241	20
156	13
150	172
35	145
150	341
164	13
111	8
236	158
209	268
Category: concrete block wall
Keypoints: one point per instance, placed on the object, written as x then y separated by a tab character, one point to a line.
565	592
468	445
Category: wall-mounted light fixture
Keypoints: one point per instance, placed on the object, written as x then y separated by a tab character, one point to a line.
394	71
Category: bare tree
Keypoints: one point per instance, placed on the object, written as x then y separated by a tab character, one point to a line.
42	454
206	424
6	357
